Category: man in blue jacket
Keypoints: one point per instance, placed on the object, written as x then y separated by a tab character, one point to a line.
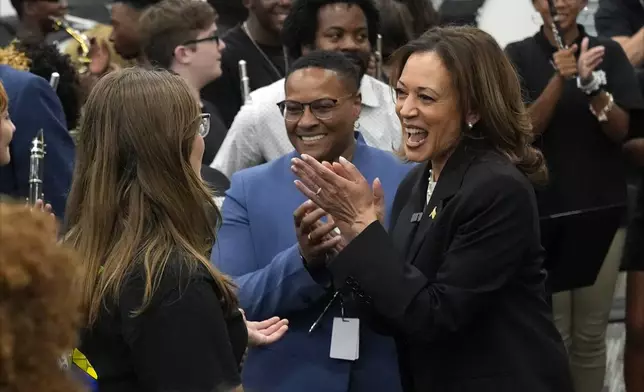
279	268
33	105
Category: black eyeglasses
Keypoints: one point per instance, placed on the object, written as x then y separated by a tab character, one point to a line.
204	124
321	108
213	37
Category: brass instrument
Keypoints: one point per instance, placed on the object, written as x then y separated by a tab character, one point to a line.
245	82
84	43
379	56
36	168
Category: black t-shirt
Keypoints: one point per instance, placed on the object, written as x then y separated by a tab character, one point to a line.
587	169
215	136
225	92
616	18
182	342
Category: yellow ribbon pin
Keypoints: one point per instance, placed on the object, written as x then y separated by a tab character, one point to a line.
433	213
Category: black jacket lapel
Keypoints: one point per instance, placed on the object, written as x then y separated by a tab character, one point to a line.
407	217
448	184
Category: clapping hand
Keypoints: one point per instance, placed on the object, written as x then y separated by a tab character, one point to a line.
342	191
262	333
315	238
588	61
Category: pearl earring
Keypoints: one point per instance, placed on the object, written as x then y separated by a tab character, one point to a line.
470	125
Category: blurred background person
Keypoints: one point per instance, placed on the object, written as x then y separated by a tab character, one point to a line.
623	21
39	305
157	315
397	28
33	105
6	128
231	13
43	59
285	274
34	21
351	27
580	99
257	41
181	36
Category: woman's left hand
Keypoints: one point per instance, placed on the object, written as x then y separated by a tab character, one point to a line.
340	190
588	60
262	333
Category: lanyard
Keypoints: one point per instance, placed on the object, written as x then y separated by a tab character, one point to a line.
326	309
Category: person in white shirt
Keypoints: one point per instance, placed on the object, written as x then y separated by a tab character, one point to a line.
257	134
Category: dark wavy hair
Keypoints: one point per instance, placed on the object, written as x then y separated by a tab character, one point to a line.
487	83
301	24
46	59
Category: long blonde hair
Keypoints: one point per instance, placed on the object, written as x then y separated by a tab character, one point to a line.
486	82
135	198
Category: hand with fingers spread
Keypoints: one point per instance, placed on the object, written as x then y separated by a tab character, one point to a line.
339	189
262	333
589	60
565	62
315	238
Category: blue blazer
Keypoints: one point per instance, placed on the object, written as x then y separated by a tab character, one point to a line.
33	105
257	246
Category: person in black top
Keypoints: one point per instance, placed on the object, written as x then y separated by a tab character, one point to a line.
182	36
43	59
623	21
157	315
258	42
581	99
33	20
231	13
458	278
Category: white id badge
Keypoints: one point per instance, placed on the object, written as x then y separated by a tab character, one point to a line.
345	339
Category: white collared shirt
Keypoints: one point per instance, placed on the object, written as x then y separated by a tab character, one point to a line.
258	133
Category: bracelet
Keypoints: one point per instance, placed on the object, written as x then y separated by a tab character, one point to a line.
602	116
592	88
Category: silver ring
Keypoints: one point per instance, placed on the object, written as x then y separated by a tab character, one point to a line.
318	192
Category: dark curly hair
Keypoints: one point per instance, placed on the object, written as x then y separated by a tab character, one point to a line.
39	308
46	59
301	24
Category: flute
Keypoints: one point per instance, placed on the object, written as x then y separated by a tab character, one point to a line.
36	168
53	81
554	26
379	56
245	82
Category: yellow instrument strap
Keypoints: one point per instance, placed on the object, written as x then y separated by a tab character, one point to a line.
79	359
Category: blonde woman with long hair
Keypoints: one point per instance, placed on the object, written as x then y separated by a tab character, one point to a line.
158	316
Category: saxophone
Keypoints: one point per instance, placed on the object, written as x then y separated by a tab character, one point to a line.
83	61
36	168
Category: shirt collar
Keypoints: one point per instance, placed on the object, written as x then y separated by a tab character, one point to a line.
543	42
367	90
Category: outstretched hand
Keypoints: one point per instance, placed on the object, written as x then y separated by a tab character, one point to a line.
262	333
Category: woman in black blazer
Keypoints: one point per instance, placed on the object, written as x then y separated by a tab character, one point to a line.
459	279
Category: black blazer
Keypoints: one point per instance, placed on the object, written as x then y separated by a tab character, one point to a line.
462	291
